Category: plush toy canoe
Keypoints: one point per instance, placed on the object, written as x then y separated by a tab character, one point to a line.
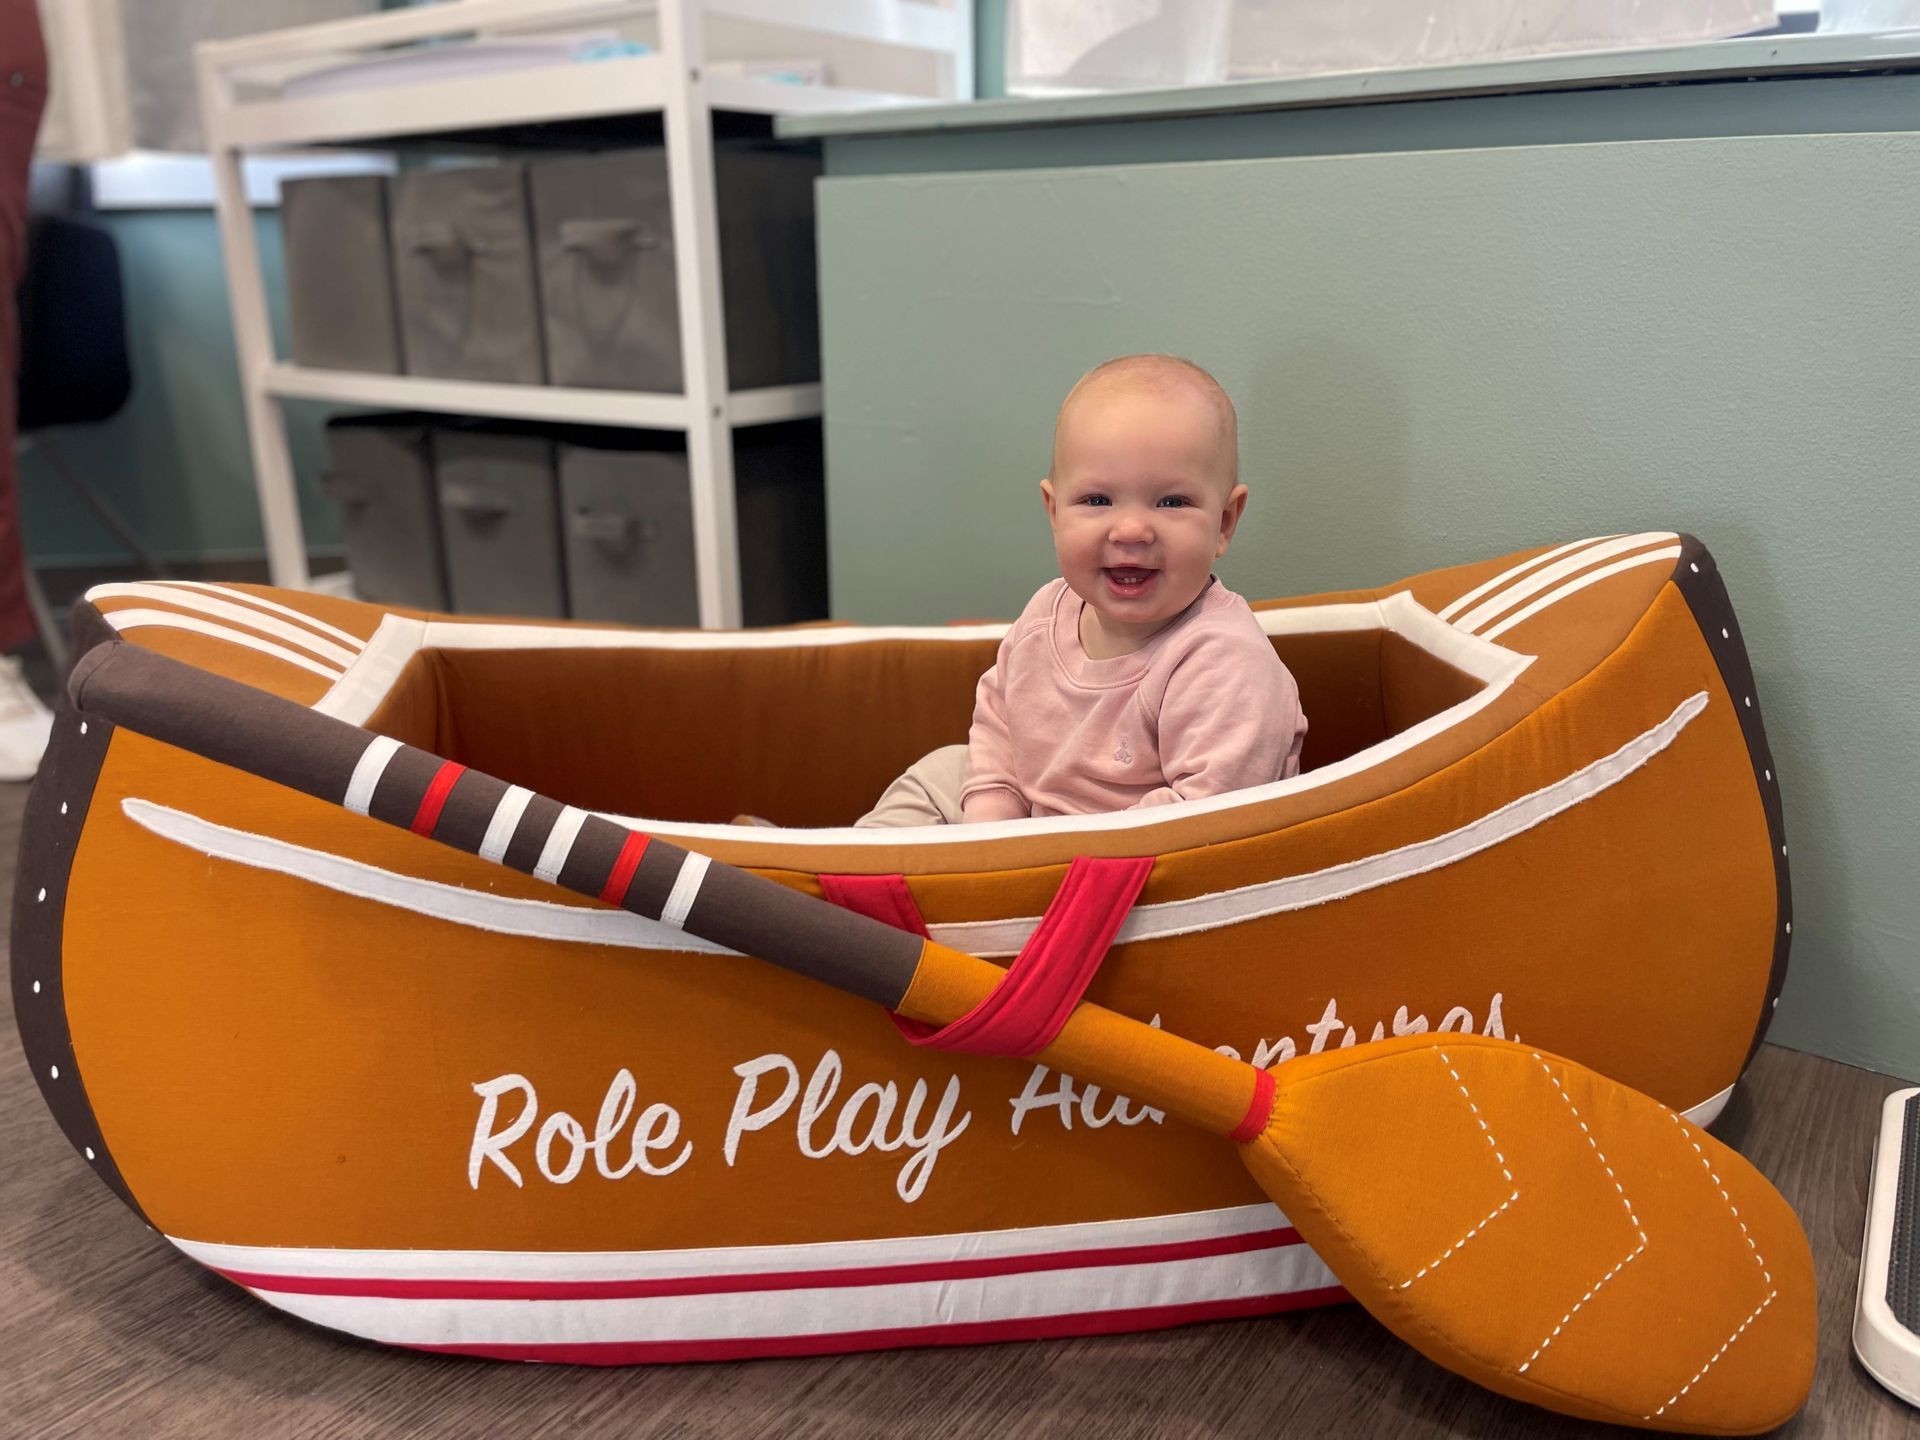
402	1092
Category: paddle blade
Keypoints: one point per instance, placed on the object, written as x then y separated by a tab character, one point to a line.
1546	1232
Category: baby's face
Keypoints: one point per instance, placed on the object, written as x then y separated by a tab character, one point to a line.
1142	502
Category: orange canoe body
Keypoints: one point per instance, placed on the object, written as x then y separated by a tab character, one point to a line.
414	1096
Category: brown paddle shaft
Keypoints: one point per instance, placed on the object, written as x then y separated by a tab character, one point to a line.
289	744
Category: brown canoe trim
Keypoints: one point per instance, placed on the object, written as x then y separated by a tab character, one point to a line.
48	840
1700	585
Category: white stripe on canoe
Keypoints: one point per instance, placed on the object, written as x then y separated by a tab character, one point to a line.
553	855
124	620
367	772
230	612
1559	570
1280	1269
1708	1110
579	1265
370	679
312	622
549	920
1299	892
476	909
1516	571
1283	1270
506	820
606	1265
686	889
559	1266
1592	577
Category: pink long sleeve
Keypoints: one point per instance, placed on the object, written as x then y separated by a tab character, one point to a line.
1204	707
992	792
1228	720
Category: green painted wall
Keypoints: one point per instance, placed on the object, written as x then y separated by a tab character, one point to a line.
1440	356
175	461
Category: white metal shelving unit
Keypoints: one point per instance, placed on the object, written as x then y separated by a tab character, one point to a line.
245	112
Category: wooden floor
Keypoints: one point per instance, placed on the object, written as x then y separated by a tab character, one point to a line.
105	1331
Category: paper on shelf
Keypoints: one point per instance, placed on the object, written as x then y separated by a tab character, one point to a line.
461	60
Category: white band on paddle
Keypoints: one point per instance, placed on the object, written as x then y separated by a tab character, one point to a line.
506	820
553	855
366	775
686	889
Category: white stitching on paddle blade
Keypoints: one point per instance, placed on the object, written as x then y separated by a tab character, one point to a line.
1498	1157
1632	1219
1766	1275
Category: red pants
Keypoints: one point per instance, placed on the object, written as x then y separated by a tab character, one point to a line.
23	95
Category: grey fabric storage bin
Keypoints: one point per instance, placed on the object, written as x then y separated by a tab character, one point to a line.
340	297
604	236
380	473
500	520
604	229
463	267
629	527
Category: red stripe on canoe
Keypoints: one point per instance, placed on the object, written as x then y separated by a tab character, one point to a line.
370	1287
978	1332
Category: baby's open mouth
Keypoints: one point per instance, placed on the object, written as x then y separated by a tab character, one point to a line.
1129	580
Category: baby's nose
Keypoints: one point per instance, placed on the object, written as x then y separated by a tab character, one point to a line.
1130	526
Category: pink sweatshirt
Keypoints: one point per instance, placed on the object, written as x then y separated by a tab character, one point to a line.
1202	708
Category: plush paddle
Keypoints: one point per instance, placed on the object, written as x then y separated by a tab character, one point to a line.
1524	1221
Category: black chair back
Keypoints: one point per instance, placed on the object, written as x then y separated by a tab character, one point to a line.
74	368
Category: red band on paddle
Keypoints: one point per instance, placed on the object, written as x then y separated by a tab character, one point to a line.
1024	1013
628	861
1259	1111
435	800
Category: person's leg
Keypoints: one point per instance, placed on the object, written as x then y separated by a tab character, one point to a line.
927	794
24	721
23	95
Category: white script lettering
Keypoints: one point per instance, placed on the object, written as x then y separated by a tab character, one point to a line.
655	1131
848	1137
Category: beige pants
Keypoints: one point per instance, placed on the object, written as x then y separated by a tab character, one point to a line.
927	794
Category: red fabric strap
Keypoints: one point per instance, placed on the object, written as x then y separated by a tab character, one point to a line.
624	864
879	897
431	804
1023	1014
1259	1111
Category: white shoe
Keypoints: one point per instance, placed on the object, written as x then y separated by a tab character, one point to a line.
25	724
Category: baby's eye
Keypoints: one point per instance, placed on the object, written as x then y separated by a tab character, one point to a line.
1174	502
1095	500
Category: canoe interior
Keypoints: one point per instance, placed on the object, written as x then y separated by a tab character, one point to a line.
808	735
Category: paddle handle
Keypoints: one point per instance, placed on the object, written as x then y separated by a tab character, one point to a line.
274	738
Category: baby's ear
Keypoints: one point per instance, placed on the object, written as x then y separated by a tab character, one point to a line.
1046	494
1230	514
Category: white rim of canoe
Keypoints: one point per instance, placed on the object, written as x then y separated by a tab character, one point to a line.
370	674
356	694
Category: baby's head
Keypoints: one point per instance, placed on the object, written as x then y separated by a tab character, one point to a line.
1144	492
